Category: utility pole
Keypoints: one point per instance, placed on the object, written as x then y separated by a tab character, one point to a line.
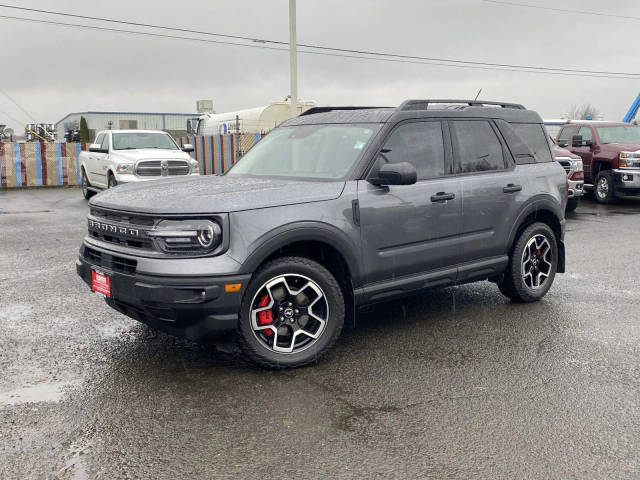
293	56
238	139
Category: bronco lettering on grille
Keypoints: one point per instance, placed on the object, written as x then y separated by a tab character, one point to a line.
110	228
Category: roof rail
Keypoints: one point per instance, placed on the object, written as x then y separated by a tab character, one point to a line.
424	104
313	110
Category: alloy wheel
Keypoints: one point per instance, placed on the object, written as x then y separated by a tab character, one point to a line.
603	188
536	262
289	313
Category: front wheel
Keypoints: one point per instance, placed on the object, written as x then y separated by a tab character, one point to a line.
86	193
572	204
292	313
112	182
532	266
603	188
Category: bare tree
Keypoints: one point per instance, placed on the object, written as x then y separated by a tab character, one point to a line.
580	112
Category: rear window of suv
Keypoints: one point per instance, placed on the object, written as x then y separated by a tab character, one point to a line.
535	137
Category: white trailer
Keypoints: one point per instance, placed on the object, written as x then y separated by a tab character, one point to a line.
252	120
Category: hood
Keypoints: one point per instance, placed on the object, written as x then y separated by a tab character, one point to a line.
620	147
150	153
563	152
213	194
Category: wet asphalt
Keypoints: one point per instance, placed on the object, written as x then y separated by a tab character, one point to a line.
454	383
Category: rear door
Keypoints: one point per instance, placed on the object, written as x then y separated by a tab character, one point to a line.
410	229
491	193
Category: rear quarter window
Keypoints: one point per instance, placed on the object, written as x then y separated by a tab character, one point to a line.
535	137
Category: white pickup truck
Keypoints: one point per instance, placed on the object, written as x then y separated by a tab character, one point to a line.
123	156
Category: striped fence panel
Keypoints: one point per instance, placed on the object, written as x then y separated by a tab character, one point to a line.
39	164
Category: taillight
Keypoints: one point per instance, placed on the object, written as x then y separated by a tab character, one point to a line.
579	175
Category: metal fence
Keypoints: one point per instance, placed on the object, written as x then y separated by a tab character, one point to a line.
56	163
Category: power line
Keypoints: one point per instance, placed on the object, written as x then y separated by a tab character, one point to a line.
17	104
326	48
358	54
562	10
11	117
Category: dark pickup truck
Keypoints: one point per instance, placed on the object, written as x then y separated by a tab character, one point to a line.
610	153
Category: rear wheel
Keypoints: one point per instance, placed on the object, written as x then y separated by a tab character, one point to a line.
604	189
86	193
532	266
292	313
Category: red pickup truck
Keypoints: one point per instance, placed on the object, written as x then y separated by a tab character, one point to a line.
610	153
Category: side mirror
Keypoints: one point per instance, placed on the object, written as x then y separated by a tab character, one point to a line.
563	143
576	141
188	148
396	174
95	148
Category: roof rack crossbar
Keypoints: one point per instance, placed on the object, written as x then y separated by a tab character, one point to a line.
424	104
313	110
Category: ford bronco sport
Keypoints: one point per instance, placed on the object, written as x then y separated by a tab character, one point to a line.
333	209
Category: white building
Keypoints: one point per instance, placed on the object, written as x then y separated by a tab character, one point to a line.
174	123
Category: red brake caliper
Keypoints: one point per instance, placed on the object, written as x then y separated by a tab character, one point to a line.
266	316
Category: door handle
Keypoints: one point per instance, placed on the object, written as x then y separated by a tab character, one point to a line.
511	188
442	197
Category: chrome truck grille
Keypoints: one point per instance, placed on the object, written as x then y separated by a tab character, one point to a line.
566	164
159	168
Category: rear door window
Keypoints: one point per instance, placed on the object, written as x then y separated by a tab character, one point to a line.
476	147
535	137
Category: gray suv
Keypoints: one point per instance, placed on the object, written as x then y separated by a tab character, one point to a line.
334	209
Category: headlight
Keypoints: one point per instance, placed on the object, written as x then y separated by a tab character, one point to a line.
195	166
577	165
187	236
125	168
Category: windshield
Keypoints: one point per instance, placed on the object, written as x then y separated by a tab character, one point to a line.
619	134
133	140
306	151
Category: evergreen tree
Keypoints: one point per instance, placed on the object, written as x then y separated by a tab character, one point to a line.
84	130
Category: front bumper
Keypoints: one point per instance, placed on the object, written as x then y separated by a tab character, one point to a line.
576	188
627	182
189	307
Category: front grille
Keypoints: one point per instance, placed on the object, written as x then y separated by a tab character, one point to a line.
153	168
566	164
110	262
120	228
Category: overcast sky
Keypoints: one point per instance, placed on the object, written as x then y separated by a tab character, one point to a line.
51	71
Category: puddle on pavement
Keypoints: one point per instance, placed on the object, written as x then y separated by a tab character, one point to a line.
34	393
17	212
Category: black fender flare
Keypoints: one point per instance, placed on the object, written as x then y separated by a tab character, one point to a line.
544	202
288	234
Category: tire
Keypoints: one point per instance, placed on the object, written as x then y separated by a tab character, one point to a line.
542	261
572	204
111	182
86	193
297	295
603	189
